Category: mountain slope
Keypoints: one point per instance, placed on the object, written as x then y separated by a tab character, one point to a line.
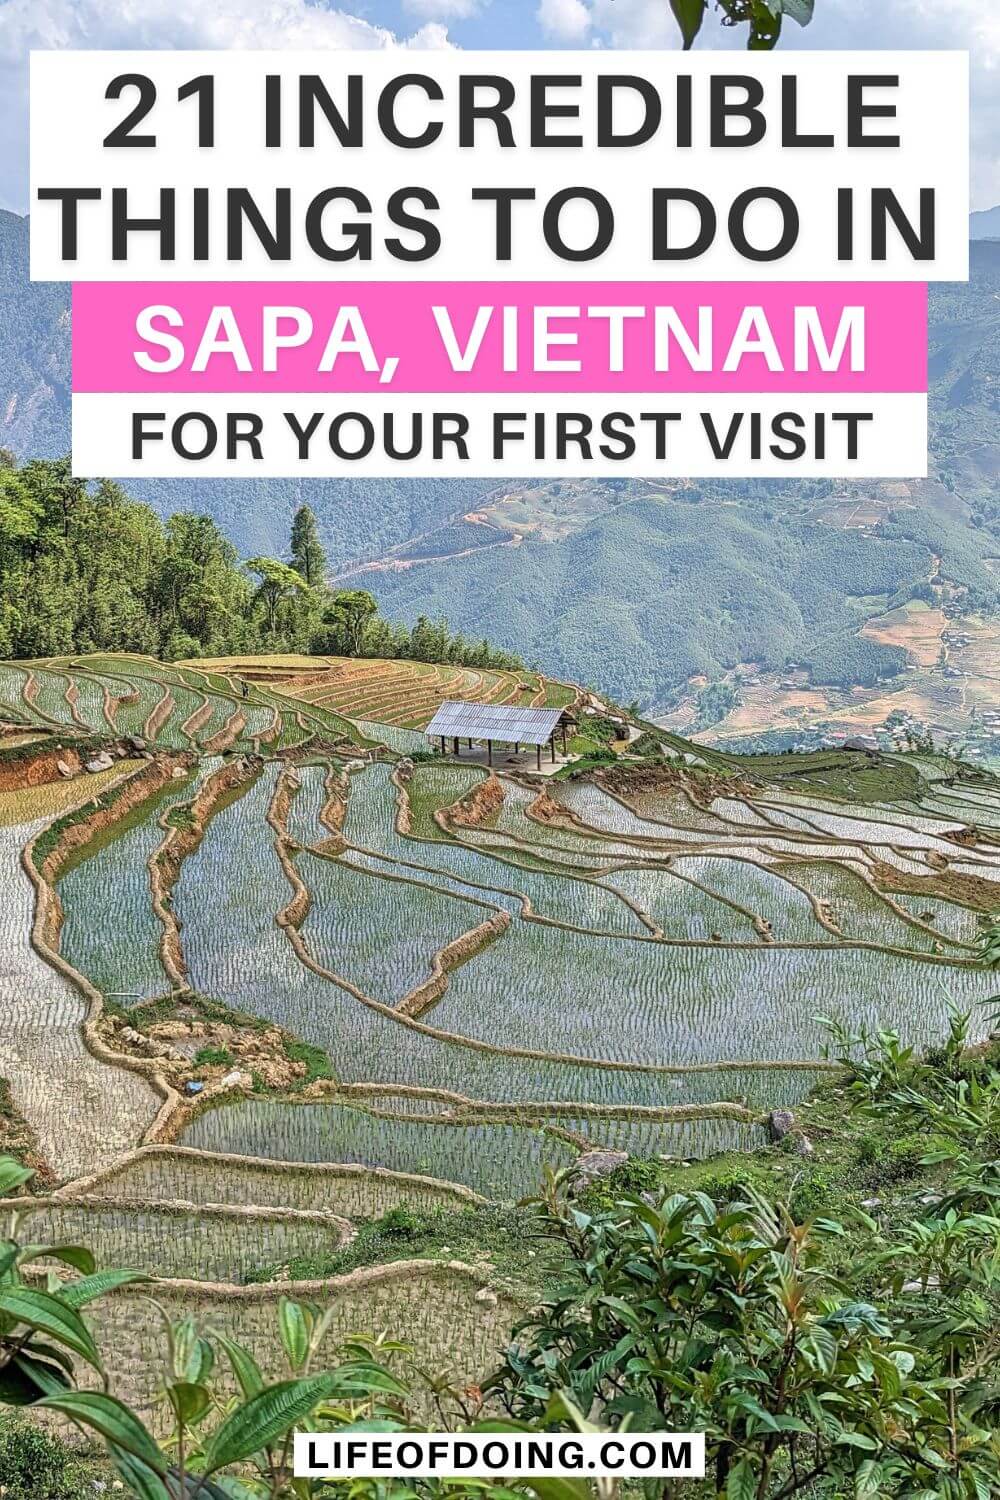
985	224
358	519
637	586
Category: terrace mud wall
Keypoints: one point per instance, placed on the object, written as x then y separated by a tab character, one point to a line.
75	829
180	841
974	891
79	828
449	957
437	1307
37	768
228	734
348	1189
477	808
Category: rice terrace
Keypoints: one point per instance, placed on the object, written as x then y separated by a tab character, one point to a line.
276	963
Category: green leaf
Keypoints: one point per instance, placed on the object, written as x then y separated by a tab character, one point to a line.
799	10
76	1256
8	1255
228	1488
47	1374
113	1420
189	1401
12	1175
868	1480
200	1362
51	1316
89	1288
742	1482
294	1325
245	1367
689	15
267	1416
361	1379
558	1487
51	1352
142	1481
26	1380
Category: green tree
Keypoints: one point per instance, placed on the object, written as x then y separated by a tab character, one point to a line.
685	1316
762	18
277	582
200	592
84	568
308	556
347	614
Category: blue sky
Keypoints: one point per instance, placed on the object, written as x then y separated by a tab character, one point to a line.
309	24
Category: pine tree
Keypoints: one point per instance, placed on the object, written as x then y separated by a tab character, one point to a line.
308	557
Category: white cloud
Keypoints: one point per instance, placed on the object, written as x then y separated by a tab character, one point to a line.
892	25
566	21
901	24
26	24
444	10
433	37
635	23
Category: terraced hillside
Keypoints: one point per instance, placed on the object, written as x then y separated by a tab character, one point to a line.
267	977
405	694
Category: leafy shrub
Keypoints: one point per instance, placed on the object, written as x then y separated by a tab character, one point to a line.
317	1063
213	1056
637	1175
34	1466
891	1161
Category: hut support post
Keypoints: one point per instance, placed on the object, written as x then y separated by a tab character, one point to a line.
538	756
489	751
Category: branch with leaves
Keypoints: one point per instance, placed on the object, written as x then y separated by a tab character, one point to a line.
763	18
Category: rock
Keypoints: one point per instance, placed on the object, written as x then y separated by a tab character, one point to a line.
780	1122
599	1163
803	1146
64	770
170	1030
918	1286
871	1203
487	1297
233	1080
136	742
193	1087
102	762
178	773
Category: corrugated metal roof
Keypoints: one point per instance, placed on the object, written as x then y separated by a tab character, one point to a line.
494	721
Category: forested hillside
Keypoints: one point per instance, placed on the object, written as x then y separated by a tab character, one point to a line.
84	567
643	586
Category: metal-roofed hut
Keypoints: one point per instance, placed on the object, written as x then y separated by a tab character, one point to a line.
497	723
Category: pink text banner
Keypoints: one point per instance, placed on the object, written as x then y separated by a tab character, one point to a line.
503	337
